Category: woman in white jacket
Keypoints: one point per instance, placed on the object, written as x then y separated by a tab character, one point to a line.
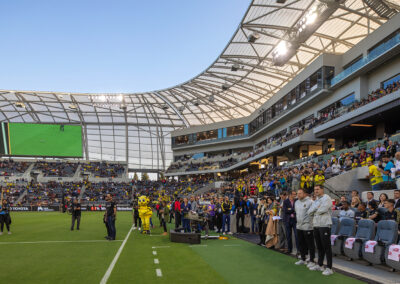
321	211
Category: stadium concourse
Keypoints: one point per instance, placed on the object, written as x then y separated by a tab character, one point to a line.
279	163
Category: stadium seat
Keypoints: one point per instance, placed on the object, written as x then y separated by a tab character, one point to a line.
335	225
365	231
390	262
347	228
386	234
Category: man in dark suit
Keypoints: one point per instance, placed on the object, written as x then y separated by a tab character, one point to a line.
289	219
397	198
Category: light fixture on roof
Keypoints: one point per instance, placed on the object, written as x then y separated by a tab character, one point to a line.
196	103
20	104
235	67
181	108
311	20
164	107
280	1
253	37
225	87
73	106
211	98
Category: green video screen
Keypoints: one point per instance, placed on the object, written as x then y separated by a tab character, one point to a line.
46	140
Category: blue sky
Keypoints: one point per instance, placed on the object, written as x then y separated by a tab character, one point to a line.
111	46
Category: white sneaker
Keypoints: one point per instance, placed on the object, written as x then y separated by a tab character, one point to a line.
140	229
9	233
308	259
301	262
310	264
133	227
230	233
317	268
224	233
327	272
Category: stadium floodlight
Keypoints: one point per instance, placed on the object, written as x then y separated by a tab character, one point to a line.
309	23
102	98
211	98
281	1
120	98
196	103
225	87
164	107
253	37
181	108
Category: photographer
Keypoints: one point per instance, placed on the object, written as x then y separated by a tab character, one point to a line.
76	214
5	216
110	216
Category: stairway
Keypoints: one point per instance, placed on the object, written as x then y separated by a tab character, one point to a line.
82	192
21	196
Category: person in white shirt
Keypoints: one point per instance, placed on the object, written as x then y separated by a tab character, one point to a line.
321	211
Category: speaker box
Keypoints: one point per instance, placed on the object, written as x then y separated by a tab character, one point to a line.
177	236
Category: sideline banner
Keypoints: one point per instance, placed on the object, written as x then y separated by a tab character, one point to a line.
57	208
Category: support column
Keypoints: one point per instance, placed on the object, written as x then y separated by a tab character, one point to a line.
380	130
275	161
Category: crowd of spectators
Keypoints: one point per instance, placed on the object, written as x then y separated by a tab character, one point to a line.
11	168
103	169
56	169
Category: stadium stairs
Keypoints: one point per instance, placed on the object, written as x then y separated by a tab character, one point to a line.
22	196
83	189
344	183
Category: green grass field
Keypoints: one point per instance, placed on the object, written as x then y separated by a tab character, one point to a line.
28	139
34	253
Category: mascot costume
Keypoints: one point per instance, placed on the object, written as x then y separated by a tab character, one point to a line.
145	213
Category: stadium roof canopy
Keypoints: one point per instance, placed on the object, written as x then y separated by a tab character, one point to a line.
135	127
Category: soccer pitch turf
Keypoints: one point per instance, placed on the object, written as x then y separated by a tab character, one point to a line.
42	249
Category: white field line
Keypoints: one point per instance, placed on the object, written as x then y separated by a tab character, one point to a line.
231	245
160	247
156	261
56	242
158	272
193	246
114	261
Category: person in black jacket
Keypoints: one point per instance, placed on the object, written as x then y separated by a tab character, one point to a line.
241	209
289	219
76	214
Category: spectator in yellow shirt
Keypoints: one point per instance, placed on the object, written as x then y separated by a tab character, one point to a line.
375	176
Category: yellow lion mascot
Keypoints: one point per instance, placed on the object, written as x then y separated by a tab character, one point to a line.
145	213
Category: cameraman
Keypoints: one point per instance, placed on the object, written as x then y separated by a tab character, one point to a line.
110	216
76	214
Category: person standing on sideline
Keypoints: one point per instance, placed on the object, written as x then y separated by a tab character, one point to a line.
177	210
111	215
136	218
5	216
304	228
282	242
289	218
321	211
76	214
226	215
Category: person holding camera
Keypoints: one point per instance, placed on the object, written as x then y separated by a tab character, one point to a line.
5	216
110	216
76	214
